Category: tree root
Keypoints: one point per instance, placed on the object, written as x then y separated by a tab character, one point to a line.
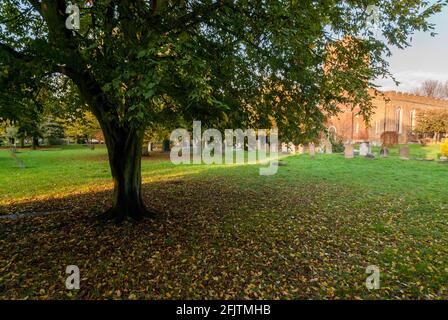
119	216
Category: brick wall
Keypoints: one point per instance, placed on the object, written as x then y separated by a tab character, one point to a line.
394	111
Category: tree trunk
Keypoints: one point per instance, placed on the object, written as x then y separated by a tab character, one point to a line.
124	148
35	143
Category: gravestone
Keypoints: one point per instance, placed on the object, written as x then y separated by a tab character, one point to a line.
292	148
239	147
404	153
363	149
301	149
349	151
328	148
284	148
384	152
312	149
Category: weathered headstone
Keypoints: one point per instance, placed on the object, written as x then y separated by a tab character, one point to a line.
363	149
292	148
301	149
384	152
404	152
349	151
284	148
312	149
328	148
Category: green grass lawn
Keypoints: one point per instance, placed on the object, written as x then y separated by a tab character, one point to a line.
309	231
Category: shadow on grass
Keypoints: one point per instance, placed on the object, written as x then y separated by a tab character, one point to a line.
218	237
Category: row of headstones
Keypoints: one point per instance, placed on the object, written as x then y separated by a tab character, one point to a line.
311	148
365	150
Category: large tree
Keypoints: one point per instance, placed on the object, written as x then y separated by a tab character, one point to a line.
434	122
433	89
237	63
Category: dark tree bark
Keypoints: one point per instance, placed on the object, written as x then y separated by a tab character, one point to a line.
35	143
124	147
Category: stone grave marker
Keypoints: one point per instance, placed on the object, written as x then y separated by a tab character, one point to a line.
384	152
292	148
349	151
404	153
328	148
312	149
363	149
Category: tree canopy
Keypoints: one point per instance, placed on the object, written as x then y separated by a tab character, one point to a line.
230	64
432	122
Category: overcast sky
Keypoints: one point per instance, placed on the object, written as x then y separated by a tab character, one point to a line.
427	58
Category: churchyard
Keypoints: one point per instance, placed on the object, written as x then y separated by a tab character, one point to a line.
309	231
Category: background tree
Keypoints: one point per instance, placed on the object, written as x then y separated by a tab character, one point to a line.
82	128
433	122
52	130
433	89
226	63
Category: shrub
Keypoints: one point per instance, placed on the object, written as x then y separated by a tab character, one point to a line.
389	138
444	148
337	144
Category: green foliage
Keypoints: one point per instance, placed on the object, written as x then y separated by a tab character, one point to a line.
337	143
432	121
82	127
227	63
11	132
52	130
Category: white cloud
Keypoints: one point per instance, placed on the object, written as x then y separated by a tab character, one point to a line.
410	80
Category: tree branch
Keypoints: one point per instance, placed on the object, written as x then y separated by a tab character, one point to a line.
16	54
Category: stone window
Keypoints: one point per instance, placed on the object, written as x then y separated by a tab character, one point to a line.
357	124
398	120
377	126
412	121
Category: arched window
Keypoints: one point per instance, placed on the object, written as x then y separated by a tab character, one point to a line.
356	124
377	126
412	119
332	132
398	120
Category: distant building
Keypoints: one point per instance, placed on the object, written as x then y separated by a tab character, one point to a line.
394	112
